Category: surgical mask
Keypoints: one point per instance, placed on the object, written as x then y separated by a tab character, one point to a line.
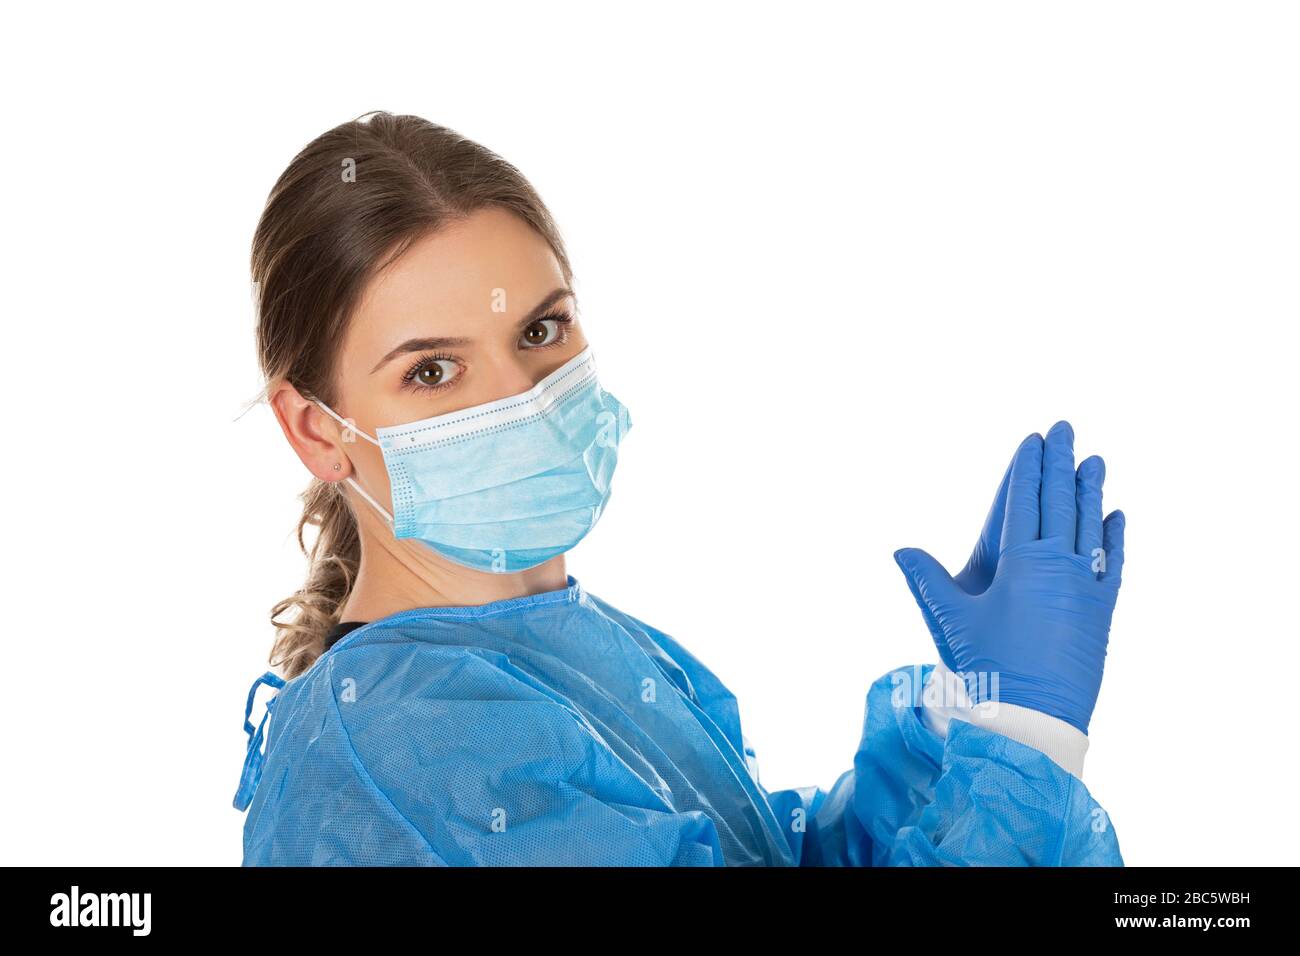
511	483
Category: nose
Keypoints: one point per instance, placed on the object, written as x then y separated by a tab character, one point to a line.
512	375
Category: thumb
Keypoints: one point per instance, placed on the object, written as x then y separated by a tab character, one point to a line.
936	593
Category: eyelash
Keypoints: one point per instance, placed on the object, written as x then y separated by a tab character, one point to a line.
562	319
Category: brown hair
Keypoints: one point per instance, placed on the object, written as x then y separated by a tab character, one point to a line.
322	236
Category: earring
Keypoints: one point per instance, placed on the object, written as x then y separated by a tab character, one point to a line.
337	466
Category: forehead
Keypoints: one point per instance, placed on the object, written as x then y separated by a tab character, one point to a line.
447	283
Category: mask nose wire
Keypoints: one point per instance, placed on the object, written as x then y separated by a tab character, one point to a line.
351	426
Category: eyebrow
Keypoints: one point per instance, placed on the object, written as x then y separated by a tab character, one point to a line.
446	342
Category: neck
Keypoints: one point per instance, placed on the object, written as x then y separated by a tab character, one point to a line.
398	575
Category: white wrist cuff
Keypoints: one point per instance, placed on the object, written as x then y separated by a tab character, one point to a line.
944	697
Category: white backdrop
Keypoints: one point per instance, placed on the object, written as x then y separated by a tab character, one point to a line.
837	264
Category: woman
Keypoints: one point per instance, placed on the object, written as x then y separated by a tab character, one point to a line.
455	697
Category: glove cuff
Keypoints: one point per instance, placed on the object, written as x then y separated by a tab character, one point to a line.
944	698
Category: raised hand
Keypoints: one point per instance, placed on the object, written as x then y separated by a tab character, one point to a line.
1030	619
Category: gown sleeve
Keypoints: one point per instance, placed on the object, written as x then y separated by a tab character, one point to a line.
913	798
453	756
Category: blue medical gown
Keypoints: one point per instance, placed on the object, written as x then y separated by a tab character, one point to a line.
554	729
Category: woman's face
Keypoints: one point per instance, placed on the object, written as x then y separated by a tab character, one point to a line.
475	312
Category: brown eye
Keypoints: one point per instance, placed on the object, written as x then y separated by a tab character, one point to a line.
434	372
541	332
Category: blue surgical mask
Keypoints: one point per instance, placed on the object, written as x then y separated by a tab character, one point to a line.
511	483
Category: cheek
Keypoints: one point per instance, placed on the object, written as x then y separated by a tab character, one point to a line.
368	463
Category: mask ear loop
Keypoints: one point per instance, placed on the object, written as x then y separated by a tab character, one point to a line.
375	504
350	426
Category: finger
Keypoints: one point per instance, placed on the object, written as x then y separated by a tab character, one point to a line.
1088	483
1113	541
1058	513
1021	522
936	594
976	577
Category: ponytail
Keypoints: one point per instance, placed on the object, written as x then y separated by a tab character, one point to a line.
332	570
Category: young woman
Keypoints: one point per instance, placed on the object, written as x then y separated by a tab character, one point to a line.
455	697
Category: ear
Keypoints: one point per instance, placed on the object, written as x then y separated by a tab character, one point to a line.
313	434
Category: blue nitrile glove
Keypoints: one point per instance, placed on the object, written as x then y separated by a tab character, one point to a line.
1036	610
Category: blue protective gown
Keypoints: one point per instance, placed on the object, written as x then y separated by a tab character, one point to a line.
554	729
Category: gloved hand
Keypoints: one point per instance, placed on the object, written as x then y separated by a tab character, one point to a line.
1034	603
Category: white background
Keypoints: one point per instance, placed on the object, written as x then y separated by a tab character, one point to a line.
838	261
